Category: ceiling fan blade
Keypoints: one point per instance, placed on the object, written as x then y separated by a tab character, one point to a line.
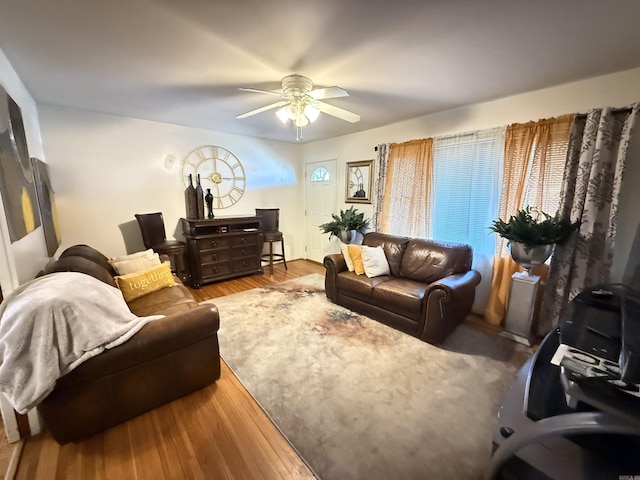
329	92
338	112
263	109
256	90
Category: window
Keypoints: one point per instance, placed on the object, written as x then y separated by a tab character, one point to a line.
466	187
320	174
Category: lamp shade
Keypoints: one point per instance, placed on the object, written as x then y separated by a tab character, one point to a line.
283	114
311	112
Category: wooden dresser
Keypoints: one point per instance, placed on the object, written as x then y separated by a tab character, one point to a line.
222	248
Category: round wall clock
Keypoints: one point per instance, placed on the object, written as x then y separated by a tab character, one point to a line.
219	170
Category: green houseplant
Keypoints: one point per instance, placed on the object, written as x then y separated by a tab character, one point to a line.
533	228
532	235
349	220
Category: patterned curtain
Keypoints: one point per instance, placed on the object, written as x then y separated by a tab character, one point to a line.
379	173
590	193
407	201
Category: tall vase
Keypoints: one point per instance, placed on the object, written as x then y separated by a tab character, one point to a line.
199	200
190	200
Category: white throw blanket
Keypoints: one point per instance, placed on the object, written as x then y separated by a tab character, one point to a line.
51	325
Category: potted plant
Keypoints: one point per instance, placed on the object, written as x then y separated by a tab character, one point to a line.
342	226
532	235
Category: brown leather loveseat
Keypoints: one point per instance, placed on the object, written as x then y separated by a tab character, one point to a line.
168	358
429	291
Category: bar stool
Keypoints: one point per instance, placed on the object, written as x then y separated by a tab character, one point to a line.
154	237
270	221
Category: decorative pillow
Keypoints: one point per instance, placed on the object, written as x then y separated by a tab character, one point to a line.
132	255
347	258
374	261
356	258
136	262
136	285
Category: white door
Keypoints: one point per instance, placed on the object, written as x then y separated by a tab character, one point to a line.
320	203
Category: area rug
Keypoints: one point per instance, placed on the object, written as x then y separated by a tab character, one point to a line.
358	399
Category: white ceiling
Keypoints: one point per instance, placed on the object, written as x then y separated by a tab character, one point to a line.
182	62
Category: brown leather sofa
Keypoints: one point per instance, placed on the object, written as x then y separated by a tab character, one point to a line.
168	358
429	292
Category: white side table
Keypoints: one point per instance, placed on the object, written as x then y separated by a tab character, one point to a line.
522	305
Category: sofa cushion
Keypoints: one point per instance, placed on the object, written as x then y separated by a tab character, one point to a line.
374	261
89	253
392	245
358	286
72	263
401	296
428	261
135	285
165	301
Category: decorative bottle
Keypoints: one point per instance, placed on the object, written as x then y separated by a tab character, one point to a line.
208	198
190	200
199	200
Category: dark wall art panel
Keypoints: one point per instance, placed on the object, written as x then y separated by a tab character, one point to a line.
47	205
16	172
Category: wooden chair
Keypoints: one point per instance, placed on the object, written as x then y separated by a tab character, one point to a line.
154	237
270	221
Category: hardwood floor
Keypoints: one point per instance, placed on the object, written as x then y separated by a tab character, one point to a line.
219	432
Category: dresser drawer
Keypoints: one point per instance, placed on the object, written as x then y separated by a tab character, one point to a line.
246	264
212	243
249	239
241	251
213	256
215	269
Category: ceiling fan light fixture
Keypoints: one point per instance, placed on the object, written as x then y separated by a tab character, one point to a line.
283	114
311	112
301	120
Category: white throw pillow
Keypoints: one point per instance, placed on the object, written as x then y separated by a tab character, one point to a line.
136	262
374	261
144	253
347	258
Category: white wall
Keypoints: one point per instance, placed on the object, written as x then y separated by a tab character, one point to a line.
106	168
620	89
22	260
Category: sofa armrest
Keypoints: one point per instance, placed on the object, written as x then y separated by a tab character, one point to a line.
334	264
463	284
155	339
448	301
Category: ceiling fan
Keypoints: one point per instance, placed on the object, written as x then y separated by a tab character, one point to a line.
301	103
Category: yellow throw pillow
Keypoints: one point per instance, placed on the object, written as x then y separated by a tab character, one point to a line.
142	283
355	253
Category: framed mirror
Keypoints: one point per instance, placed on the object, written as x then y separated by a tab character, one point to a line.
359	182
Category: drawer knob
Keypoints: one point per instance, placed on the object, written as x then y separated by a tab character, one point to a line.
243	240
213	243
214	257
244	251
